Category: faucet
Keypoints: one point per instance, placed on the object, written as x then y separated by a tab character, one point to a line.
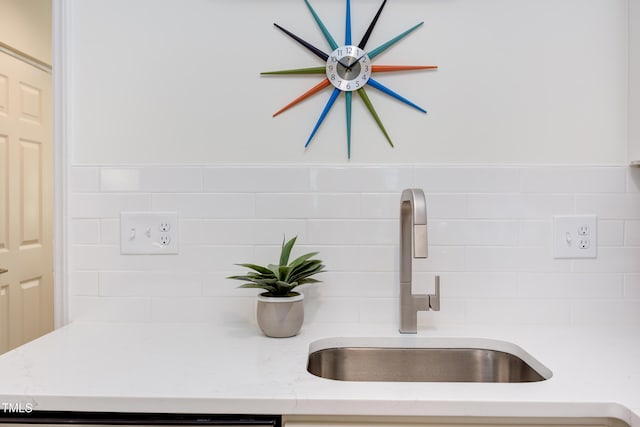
413	244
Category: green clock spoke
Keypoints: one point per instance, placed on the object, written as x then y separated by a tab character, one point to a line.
374	113
377	51
327	34
308	45
348	96
367	34
326	109
313	70
347	29
393	94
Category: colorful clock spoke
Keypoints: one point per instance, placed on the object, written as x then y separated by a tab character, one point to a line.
348	96
306	44
391	68
377	51
393	94
367	33
312	70
347	29
317	88
367	102
326	109
327	34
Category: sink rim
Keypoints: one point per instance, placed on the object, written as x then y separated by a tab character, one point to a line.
432	342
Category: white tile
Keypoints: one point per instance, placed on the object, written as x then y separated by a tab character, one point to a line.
461	179
519	206
84	231
441	258
462	232
356	179
610	206
110	231
266	232
150	283
352	232
191	233
446	206
536	233
226	232
107	205
380	206
330	310
478	285
568	179
84	283
295	206
365	285
121	180
84	179
371	258
610	233
611	260
335	206
240	179
633	180
516	259
378	310
205	205
151	179
172	179
110	309
452	312
239	310
632	286
570	285
216	284
602	312
525	312
631	233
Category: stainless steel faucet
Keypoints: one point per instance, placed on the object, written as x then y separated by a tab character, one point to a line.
413	244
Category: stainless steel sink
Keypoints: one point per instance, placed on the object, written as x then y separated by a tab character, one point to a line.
440	360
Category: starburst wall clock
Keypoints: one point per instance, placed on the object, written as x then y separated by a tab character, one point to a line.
349	68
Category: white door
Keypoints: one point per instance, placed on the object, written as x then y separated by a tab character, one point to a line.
26	187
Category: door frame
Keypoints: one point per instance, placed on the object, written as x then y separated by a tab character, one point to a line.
61	159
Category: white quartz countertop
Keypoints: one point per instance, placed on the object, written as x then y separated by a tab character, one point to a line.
205	368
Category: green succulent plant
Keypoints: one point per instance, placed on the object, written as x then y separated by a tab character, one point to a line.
279	280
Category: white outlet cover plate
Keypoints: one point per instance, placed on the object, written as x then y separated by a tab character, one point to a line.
575	236
140	233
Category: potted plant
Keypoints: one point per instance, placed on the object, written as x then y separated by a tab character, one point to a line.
280	312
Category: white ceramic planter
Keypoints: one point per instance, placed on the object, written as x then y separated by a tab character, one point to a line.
280	317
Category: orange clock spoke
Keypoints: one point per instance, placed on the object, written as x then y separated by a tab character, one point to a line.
317	88
386	68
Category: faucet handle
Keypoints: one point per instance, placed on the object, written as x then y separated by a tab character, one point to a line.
434	299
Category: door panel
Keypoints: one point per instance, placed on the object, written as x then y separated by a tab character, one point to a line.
26	234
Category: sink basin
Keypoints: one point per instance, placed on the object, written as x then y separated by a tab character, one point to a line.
424	360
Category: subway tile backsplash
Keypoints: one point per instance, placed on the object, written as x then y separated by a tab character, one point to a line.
489	226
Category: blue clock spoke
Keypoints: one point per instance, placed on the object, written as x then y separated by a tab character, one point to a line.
348	96
327	34
308	45
367	34
347	30
373	83
327	107
377	51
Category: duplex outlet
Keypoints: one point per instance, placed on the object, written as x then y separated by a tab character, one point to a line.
575	236
152	233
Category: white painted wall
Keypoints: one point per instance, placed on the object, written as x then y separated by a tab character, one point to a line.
520	81
25	25
634	81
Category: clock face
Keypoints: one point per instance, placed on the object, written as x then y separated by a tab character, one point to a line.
348	68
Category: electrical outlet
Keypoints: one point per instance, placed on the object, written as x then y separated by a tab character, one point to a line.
148	233
575	236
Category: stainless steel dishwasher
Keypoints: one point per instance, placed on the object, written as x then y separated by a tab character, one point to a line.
103	419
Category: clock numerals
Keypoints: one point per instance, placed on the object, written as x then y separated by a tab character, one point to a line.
348	68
